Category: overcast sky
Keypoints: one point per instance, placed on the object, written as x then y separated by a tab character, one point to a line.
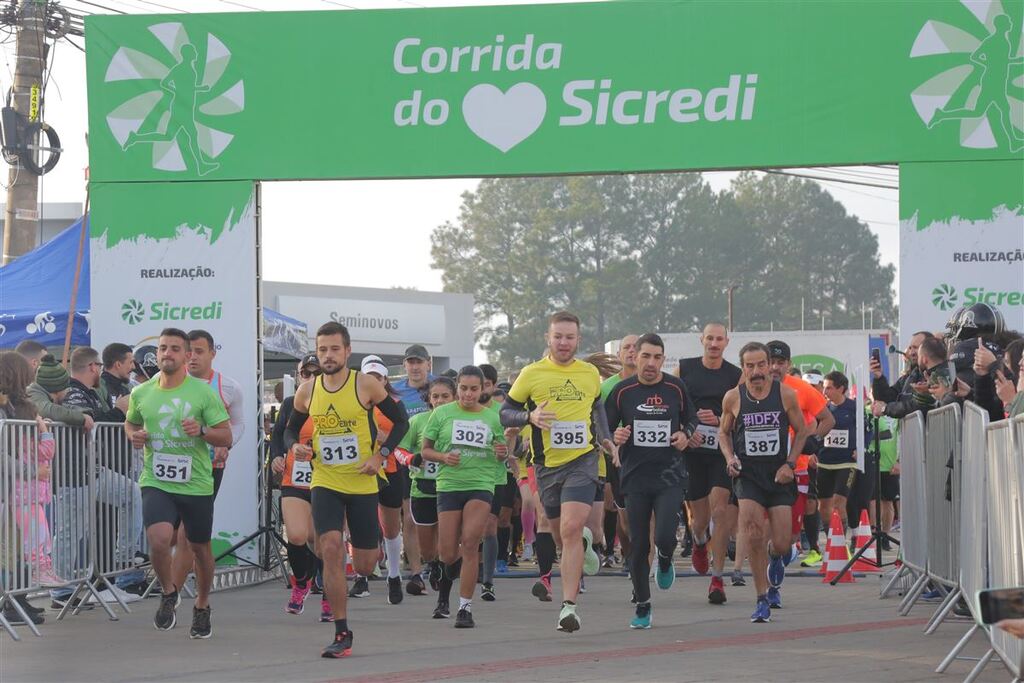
371	216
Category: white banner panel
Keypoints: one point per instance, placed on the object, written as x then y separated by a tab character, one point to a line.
184	255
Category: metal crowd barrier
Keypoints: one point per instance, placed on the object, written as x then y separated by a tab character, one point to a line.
913	506
976	540
942	466
82	522
974	532
1006	549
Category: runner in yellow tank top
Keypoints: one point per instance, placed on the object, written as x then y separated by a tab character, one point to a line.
561	397
345	465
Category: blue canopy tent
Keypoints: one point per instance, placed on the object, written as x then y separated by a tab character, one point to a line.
35	292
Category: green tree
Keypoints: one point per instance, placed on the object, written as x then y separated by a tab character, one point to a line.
808	247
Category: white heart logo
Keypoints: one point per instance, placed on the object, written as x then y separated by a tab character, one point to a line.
504	119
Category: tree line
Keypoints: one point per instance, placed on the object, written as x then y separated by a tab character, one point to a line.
656	252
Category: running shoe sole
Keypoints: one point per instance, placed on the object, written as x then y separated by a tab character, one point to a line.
340	655
716	597
591	562
569	623
196	636
541	592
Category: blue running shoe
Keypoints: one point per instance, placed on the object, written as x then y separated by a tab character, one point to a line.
774	598
762	613
501	567
643	616
776	571
934	595
665	579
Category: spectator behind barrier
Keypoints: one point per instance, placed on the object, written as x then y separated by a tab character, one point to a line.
116	379
51	384
111	488
998	379
880	388
931	360
29	543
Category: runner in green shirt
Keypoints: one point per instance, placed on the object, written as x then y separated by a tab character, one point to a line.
469	442
175	418
424	478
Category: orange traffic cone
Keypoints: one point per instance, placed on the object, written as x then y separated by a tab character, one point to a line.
862	536
828	539
838	555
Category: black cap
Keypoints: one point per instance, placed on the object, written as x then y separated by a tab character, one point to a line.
779	349
310	359
503	387
417	351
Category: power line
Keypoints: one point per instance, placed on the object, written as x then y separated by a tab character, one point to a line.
835	180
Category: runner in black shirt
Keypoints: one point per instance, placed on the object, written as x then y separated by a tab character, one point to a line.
708	378
756	417
653	419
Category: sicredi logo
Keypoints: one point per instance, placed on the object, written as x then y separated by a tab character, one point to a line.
134	311
944	297
977	88
176	119
504	119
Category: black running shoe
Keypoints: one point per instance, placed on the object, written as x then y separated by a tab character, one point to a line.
340	647
487	592
360	588
464	619
166	618
441	610
395	590
201	627
416	586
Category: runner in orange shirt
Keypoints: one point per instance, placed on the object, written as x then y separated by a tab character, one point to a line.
814	407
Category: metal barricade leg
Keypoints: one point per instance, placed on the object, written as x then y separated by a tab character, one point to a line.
957	649
912	595
10	629
896	578
980	666
9	600
943	610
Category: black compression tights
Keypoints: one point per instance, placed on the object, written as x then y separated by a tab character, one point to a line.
664	505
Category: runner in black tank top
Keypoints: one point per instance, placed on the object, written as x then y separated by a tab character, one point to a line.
754	437
708	377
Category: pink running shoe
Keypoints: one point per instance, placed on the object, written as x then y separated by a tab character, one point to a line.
298	599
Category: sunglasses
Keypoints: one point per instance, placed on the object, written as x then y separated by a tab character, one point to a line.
306	374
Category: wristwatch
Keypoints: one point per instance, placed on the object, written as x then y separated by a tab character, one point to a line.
385	451
791	465
202	430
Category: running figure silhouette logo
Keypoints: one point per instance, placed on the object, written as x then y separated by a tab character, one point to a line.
985	94
174	115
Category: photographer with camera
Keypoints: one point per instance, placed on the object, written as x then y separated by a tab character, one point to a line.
936	385
880	387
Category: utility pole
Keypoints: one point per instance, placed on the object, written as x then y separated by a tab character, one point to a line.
22	218
29	144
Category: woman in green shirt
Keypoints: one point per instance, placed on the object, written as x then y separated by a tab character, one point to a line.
424	478
469	443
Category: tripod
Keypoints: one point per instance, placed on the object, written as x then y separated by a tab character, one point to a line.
272	542
877	535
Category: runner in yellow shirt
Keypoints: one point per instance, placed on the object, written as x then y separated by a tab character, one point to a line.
346	465
561	397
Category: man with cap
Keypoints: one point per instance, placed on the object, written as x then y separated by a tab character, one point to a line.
49	389
411	389
814	407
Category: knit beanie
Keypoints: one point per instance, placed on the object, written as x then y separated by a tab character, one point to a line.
51	375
